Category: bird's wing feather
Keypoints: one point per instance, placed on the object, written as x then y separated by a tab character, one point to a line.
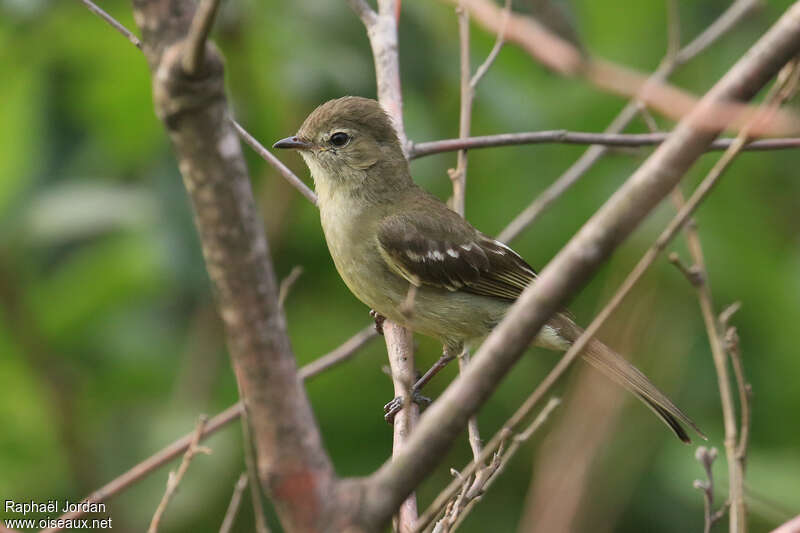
447	252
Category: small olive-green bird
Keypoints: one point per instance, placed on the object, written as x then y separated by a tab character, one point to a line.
387	235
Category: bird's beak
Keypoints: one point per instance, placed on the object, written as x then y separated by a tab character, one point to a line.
293	142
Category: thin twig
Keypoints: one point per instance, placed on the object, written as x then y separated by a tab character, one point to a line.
483	68
287	283
673	30
233	506
727	21
175	478
340	354
458	176
251	468
94	8
504	457
290	176
731	338
195	43
780	91
505	433
706	458
609	140
473	433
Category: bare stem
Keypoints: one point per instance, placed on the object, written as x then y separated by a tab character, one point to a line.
495	445
97	10
233	506
284	171
399	344
287	283
175	478
194	51
738	514
608	140
484	67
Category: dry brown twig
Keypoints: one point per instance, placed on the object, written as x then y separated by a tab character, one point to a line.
706	458
458	178
458	498
175	477
233	506
287	283
783	88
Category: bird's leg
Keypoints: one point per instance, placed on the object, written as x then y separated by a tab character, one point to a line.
379	320
393	407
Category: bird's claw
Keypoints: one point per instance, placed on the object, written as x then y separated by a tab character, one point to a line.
392	408
379	320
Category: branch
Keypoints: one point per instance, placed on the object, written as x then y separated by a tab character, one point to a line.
706	458
364	11
292	463
501	449
781	91
175	478
626	140
94	8
382	33
569	270
481	71
562	57
792	526
233	507
732	16
194	52
399	343
284	171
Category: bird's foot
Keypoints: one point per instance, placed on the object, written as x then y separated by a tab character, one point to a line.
379	320
392	408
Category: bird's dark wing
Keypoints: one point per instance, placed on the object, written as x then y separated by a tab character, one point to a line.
443	250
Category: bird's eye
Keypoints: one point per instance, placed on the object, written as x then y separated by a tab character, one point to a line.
339	138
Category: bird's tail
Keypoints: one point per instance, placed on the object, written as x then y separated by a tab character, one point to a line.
621	371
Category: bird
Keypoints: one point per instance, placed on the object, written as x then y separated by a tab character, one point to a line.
410	258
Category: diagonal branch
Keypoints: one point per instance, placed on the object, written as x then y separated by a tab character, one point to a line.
97	10
571	269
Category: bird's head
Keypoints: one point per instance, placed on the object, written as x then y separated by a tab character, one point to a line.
350	142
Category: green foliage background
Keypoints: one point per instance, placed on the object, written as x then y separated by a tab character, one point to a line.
109	344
